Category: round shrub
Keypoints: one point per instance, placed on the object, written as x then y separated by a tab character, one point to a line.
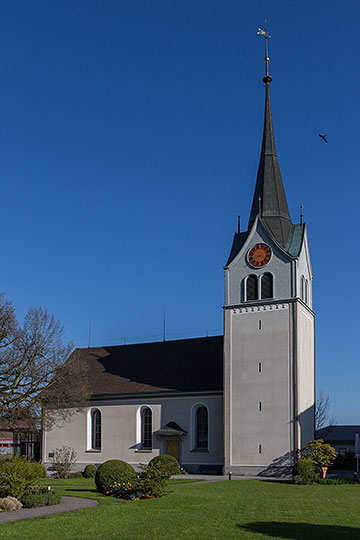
166	464
90	471
306	468
113	471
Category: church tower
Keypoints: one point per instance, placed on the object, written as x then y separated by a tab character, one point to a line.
269	359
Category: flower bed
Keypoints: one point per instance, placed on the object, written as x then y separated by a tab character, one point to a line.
126	491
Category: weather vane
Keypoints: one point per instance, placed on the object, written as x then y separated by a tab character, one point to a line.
266	35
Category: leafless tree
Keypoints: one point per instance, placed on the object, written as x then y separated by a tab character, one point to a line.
322	411
36	372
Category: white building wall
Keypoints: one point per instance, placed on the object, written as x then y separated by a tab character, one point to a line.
277	333
120	432
260	416
305	374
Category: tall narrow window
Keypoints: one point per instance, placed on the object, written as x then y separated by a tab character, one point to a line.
96	429
202	427
267	286
306	298
146	428
251	288
302	292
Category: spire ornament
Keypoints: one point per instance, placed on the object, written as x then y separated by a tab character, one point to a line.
265	33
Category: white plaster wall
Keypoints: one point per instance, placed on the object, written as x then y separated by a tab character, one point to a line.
303	268
119	432
306	373
250	345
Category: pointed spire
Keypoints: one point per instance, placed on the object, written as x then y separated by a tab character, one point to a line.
269	186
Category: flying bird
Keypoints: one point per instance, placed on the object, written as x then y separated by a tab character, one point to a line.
323	137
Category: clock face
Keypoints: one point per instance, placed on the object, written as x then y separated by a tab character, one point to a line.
259	255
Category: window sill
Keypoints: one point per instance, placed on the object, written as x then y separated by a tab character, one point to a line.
143	451
200	450
93	451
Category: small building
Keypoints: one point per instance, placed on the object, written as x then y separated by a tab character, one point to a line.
19	439
342	438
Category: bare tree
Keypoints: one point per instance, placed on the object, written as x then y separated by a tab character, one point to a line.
322	411
36	372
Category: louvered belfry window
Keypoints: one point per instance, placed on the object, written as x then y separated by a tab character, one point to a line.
252	288
267	286
202	427
146	428
96	430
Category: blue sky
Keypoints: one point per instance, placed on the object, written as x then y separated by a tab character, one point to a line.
130	135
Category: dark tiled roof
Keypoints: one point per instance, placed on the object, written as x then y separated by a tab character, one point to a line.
338	433
171	428
185	365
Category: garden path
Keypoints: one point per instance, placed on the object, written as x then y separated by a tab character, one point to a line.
67	503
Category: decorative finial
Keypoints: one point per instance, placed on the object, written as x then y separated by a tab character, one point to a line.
259	209
301	214
265	33
238	224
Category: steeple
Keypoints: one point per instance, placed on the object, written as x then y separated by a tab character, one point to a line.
269	189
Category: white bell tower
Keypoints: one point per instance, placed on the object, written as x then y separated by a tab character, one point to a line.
269	360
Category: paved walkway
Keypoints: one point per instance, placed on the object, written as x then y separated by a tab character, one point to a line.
68	503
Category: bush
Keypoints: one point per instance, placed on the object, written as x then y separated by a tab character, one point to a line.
306	469
63	459
320	452
32	500
90	471
113	471
332	481
42	470
18	475
152	481
167	464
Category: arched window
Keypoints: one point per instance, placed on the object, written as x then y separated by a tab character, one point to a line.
96	429
146	428
202	427
267	286
251	287
306	299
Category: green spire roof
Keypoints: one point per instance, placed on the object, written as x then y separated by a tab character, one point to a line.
269	197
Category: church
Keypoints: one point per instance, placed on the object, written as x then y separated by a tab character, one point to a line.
242	402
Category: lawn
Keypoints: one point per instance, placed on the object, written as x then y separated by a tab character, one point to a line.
227	510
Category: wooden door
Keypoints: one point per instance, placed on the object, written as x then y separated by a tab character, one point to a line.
173	448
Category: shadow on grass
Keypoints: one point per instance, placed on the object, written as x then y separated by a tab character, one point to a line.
302	531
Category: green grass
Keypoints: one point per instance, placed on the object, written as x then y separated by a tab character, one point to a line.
228	510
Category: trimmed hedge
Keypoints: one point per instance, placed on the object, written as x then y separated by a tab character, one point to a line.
90	471
113	471
168	465
41	499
